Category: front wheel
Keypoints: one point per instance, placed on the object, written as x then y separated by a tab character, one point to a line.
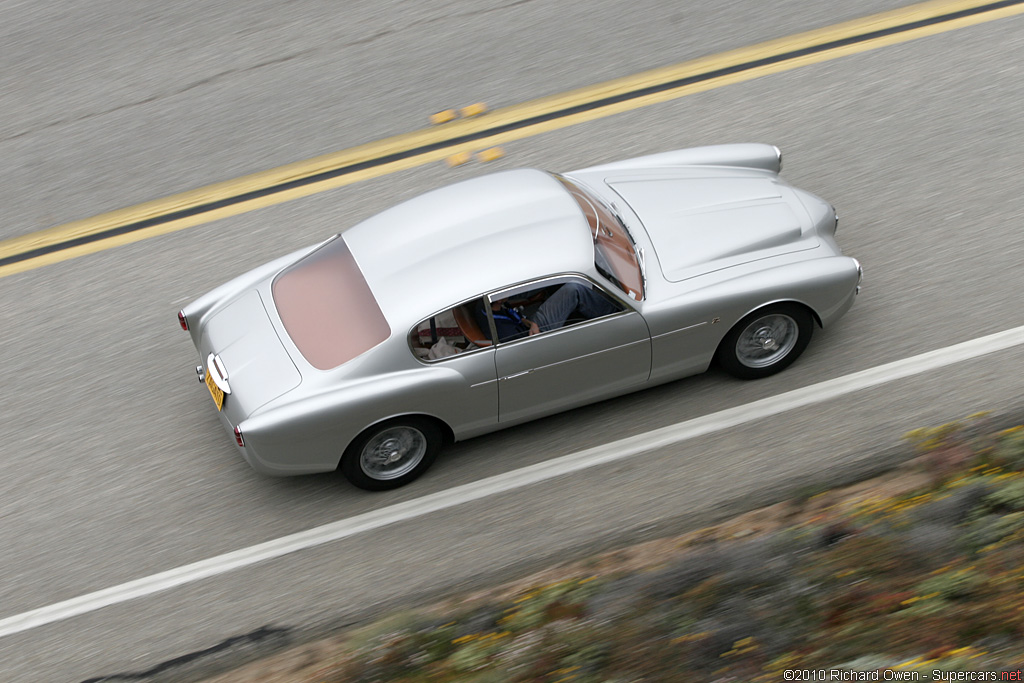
766	341
392	453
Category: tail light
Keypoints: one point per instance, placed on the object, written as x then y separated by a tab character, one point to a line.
238	437
182	320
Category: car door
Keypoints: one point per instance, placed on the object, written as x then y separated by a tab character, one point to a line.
584	360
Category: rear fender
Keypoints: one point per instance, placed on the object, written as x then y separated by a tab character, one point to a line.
311	434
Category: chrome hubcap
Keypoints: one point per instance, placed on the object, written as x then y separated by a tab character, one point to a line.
767	340
393	452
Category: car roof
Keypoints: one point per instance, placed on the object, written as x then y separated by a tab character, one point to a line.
436	250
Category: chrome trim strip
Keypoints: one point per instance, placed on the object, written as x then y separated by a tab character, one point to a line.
628	304
681	329
565	328
575	358
460	354
519	374
606	201
220	368
627	308
643	267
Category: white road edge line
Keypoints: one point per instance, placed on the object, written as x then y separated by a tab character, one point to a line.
574	462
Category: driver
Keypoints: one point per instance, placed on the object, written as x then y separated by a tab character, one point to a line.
570	297
511	323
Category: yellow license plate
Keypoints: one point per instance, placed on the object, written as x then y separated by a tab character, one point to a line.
215	391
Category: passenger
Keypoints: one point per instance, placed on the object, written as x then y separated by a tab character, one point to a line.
509	322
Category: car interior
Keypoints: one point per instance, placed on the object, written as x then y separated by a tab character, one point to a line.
465	327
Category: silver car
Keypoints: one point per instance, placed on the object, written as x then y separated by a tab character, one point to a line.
512	296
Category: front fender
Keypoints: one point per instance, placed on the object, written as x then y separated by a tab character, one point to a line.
746	155
687	329
826	286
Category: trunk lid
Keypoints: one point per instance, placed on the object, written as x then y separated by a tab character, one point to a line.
257	365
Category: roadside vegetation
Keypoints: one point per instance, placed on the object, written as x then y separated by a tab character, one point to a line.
922	570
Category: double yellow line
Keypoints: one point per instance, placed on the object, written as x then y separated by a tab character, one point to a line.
501	126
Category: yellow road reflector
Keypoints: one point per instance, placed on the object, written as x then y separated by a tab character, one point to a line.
474	110
443	116
459	139
490	154
458	159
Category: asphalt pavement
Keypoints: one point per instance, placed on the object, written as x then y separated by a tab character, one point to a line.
115	466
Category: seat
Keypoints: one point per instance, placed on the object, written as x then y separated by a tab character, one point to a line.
466	321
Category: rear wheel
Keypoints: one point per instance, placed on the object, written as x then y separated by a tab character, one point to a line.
392	453
766	341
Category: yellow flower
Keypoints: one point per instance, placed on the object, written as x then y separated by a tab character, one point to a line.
909	662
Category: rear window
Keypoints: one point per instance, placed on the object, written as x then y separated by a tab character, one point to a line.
327	307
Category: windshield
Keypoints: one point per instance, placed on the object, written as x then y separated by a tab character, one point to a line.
327	307
614	254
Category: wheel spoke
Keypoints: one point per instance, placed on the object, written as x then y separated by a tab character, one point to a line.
767	340
393	452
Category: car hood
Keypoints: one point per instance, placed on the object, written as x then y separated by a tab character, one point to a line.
698	224
258	367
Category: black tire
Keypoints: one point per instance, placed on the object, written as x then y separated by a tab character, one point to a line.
414	440
752	350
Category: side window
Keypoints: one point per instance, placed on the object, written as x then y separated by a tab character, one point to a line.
459	329
547	305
